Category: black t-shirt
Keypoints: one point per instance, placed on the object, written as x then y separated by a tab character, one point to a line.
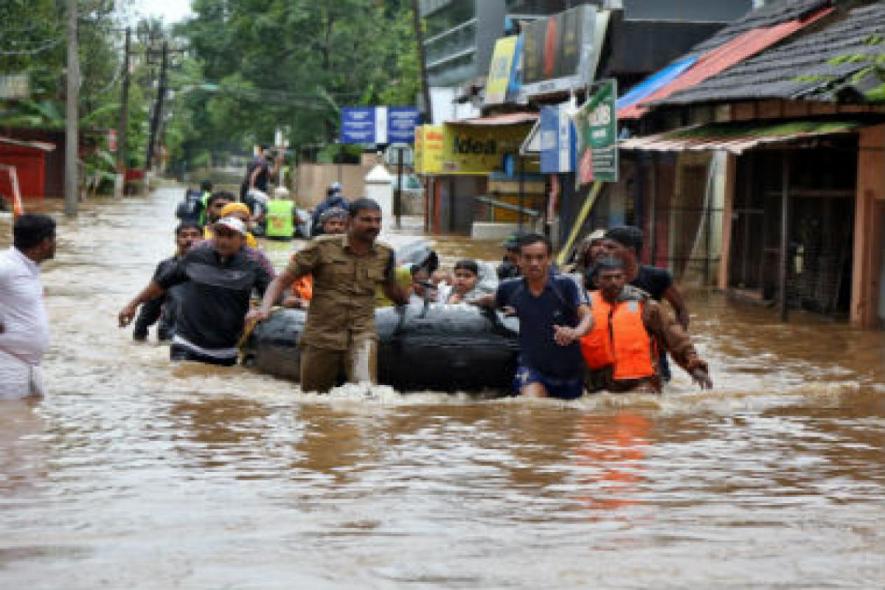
215	294
654	281
556	305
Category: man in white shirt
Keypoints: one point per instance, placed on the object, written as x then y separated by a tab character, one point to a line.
24	325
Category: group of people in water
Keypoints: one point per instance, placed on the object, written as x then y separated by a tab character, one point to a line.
596	324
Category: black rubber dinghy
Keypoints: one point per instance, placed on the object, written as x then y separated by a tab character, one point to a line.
421	347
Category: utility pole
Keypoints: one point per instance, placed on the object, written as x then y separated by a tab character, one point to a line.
72	99
422	60
124	108
158	107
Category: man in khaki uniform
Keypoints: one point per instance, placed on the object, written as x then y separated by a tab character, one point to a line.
340	331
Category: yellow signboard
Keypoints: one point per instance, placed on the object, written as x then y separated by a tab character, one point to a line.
429	145
480	149
500	70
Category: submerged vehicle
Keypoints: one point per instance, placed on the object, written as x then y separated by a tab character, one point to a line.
421	347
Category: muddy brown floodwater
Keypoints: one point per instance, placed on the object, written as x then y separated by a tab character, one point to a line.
134	473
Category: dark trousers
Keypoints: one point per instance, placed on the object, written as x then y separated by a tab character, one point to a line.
180	353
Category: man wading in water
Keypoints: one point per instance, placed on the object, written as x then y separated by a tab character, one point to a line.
340	331
218	278
553	314
24	326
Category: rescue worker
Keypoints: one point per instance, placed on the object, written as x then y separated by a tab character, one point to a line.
621	351
340	331
625	243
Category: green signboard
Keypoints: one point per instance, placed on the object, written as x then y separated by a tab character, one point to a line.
597	125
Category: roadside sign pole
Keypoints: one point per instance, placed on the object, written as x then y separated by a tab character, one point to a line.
398	197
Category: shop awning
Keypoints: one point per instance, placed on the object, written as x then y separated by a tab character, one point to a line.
736	138
498	120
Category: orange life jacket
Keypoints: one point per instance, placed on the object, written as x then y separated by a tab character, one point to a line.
303	287
619	339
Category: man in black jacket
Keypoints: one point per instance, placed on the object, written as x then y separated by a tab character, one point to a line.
165	308
219	276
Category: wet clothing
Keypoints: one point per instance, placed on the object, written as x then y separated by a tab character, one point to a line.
321	367
556	305
558	388
655	281
182	352
663	331
25	336
215	297
163	308
343	304
619	339
339	335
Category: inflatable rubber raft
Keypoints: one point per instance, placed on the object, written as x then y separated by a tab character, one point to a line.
421	347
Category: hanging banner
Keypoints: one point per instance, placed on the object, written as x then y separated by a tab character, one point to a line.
501	70
596	123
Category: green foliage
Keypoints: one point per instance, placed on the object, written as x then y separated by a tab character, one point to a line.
287	63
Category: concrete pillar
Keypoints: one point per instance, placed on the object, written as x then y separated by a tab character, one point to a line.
868	230
379	187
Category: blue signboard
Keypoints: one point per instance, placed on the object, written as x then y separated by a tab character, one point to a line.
557	140
401	122
378	125
358	125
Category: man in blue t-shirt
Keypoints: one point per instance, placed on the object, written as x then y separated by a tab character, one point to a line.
553	314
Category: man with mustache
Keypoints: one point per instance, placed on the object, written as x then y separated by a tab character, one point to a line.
340	330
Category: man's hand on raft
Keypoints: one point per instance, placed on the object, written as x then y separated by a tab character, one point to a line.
256	315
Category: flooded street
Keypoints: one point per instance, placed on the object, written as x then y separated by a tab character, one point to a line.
134	473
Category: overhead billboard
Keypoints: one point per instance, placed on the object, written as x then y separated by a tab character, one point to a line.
561	53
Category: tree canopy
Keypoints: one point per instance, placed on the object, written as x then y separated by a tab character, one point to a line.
255	65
